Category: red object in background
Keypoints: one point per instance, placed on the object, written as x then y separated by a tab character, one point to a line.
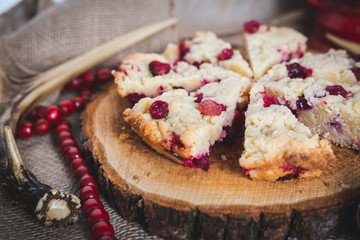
339	18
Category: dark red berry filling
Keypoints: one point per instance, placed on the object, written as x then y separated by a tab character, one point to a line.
295	171
204	81
227	53
176	142
135	97
268	101
251	26
159	68
295	70
237	127
197	64
336	124
159	109
302	104
337	90
160	90
183	50
202	162
246	171
199	97
211	108
287	56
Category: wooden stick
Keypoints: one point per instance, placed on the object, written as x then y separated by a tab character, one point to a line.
17	96
45	83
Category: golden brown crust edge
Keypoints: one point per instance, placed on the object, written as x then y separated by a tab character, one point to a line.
144	130
315	161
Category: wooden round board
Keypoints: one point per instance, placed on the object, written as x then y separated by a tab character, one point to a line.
179	202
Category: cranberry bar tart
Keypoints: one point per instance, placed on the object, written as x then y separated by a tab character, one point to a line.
149	75
316	94
206	47
277	145
184	126
266	46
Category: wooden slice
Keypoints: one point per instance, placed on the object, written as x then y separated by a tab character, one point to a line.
180	202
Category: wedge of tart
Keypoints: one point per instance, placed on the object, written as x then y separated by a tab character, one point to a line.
206	47
277	145
183	126
149	75
266	46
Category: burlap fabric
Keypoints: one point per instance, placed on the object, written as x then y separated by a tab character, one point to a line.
71	28
33	41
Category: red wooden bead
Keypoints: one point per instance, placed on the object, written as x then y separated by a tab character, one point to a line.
91	204
81	171
66	107
104	75
87	180
65	122
74	84
61	127
36	113
88	192
60	136
97	215
53	114
63	90
106	237
89	78
67	143
73	152
86	99
78	103
42	127
76	162
85	92
25	130
31	116
102	228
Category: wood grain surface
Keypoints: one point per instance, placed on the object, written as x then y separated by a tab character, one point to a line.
179	202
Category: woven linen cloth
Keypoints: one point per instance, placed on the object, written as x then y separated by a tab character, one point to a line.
36	36
71	28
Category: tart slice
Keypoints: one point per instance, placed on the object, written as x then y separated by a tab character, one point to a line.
206	47
335	66
183	126
149	75
325	97
277	145
266	46
326	108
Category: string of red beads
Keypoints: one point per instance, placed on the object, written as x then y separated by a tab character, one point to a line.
42	120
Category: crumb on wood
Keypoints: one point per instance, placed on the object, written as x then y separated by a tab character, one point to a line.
123	136
223	157
150	175
344	186
135	177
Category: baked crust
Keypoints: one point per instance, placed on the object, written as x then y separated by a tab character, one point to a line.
188	133
271	45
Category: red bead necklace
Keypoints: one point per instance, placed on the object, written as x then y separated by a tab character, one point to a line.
42	120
